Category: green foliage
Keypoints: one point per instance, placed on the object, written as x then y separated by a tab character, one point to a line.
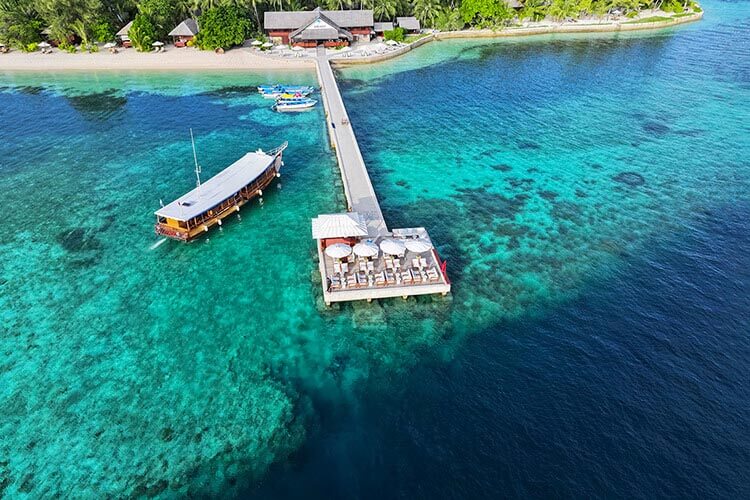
563	9
653	19
20	24
397	34
103	31
67	47
486	13
223	27
31	47
164	15
672	6
142	33
449	20
534	10
427	12
385	9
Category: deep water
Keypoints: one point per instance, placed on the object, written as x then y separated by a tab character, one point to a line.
590	193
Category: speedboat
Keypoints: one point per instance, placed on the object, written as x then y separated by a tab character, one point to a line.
294	104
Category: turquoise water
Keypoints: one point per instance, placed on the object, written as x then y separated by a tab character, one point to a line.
541	167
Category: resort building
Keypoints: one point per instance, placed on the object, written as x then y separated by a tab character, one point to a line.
410	24
122	35
184	32
381	28
311	28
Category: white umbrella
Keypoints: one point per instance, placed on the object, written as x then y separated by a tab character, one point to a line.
110	45
157	44
267	44
297	48
366	249
338	250
391	42
392	247
419	245
44	45
256	43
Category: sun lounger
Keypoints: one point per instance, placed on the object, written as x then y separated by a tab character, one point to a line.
422	262
362	265
370	266
390	278
335	282
406	277
388	262
344	267
351	281
396	264
432	274
380	278
362	280
415	263
336	266
416	275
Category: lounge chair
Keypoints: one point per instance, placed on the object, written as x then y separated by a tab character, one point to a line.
361	279
380	278
415	263
406	277
362	265
390	278
396	264
370	266
423	262
335	282
416	275
344	267
336	266
351	281
432	274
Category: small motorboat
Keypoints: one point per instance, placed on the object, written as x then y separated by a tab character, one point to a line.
294	104
274	91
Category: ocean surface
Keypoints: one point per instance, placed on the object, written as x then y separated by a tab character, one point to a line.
590	193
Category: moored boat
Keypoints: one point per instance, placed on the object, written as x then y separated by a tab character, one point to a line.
294	104
285	89
193	213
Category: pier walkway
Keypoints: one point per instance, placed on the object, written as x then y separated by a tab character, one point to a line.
360	195
359	258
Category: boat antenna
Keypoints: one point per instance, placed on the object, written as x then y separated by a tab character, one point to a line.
195	158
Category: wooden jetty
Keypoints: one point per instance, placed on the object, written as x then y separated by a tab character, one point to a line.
401	273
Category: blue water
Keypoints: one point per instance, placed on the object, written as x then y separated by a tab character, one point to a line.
590	194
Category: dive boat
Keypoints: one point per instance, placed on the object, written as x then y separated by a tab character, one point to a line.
193	213
294	104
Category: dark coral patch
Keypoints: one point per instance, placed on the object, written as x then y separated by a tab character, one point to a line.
403	184
548	195
597	166
632	179
501	167
528	145
166	434
78	240
656	128
580	193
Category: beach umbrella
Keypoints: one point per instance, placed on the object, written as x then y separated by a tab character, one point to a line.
110	45
365	249
297	48
157	44
391	42
419	245
267	45
256	43
44	45
392	247
338	250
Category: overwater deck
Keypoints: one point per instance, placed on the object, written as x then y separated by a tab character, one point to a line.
381	276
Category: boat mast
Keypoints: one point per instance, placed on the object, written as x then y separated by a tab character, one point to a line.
195	158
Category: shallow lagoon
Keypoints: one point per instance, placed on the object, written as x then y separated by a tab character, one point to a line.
142	369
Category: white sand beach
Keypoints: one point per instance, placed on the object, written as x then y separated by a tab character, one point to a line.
129	59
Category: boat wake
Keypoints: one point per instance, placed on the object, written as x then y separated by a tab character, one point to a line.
157	244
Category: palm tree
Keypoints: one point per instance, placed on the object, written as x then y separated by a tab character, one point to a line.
427	11
385	9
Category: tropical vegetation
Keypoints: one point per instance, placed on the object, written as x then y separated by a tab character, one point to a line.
226	22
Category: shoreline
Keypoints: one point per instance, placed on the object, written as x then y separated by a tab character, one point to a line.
247	59
174	59
528	31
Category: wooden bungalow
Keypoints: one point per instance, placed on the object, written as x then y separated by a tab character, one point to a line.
327	27
122	35
184	32
381	28
410	24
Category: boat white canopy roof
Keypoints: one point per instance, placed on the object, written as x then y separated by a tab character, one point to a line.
125	30
218	188
345	225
